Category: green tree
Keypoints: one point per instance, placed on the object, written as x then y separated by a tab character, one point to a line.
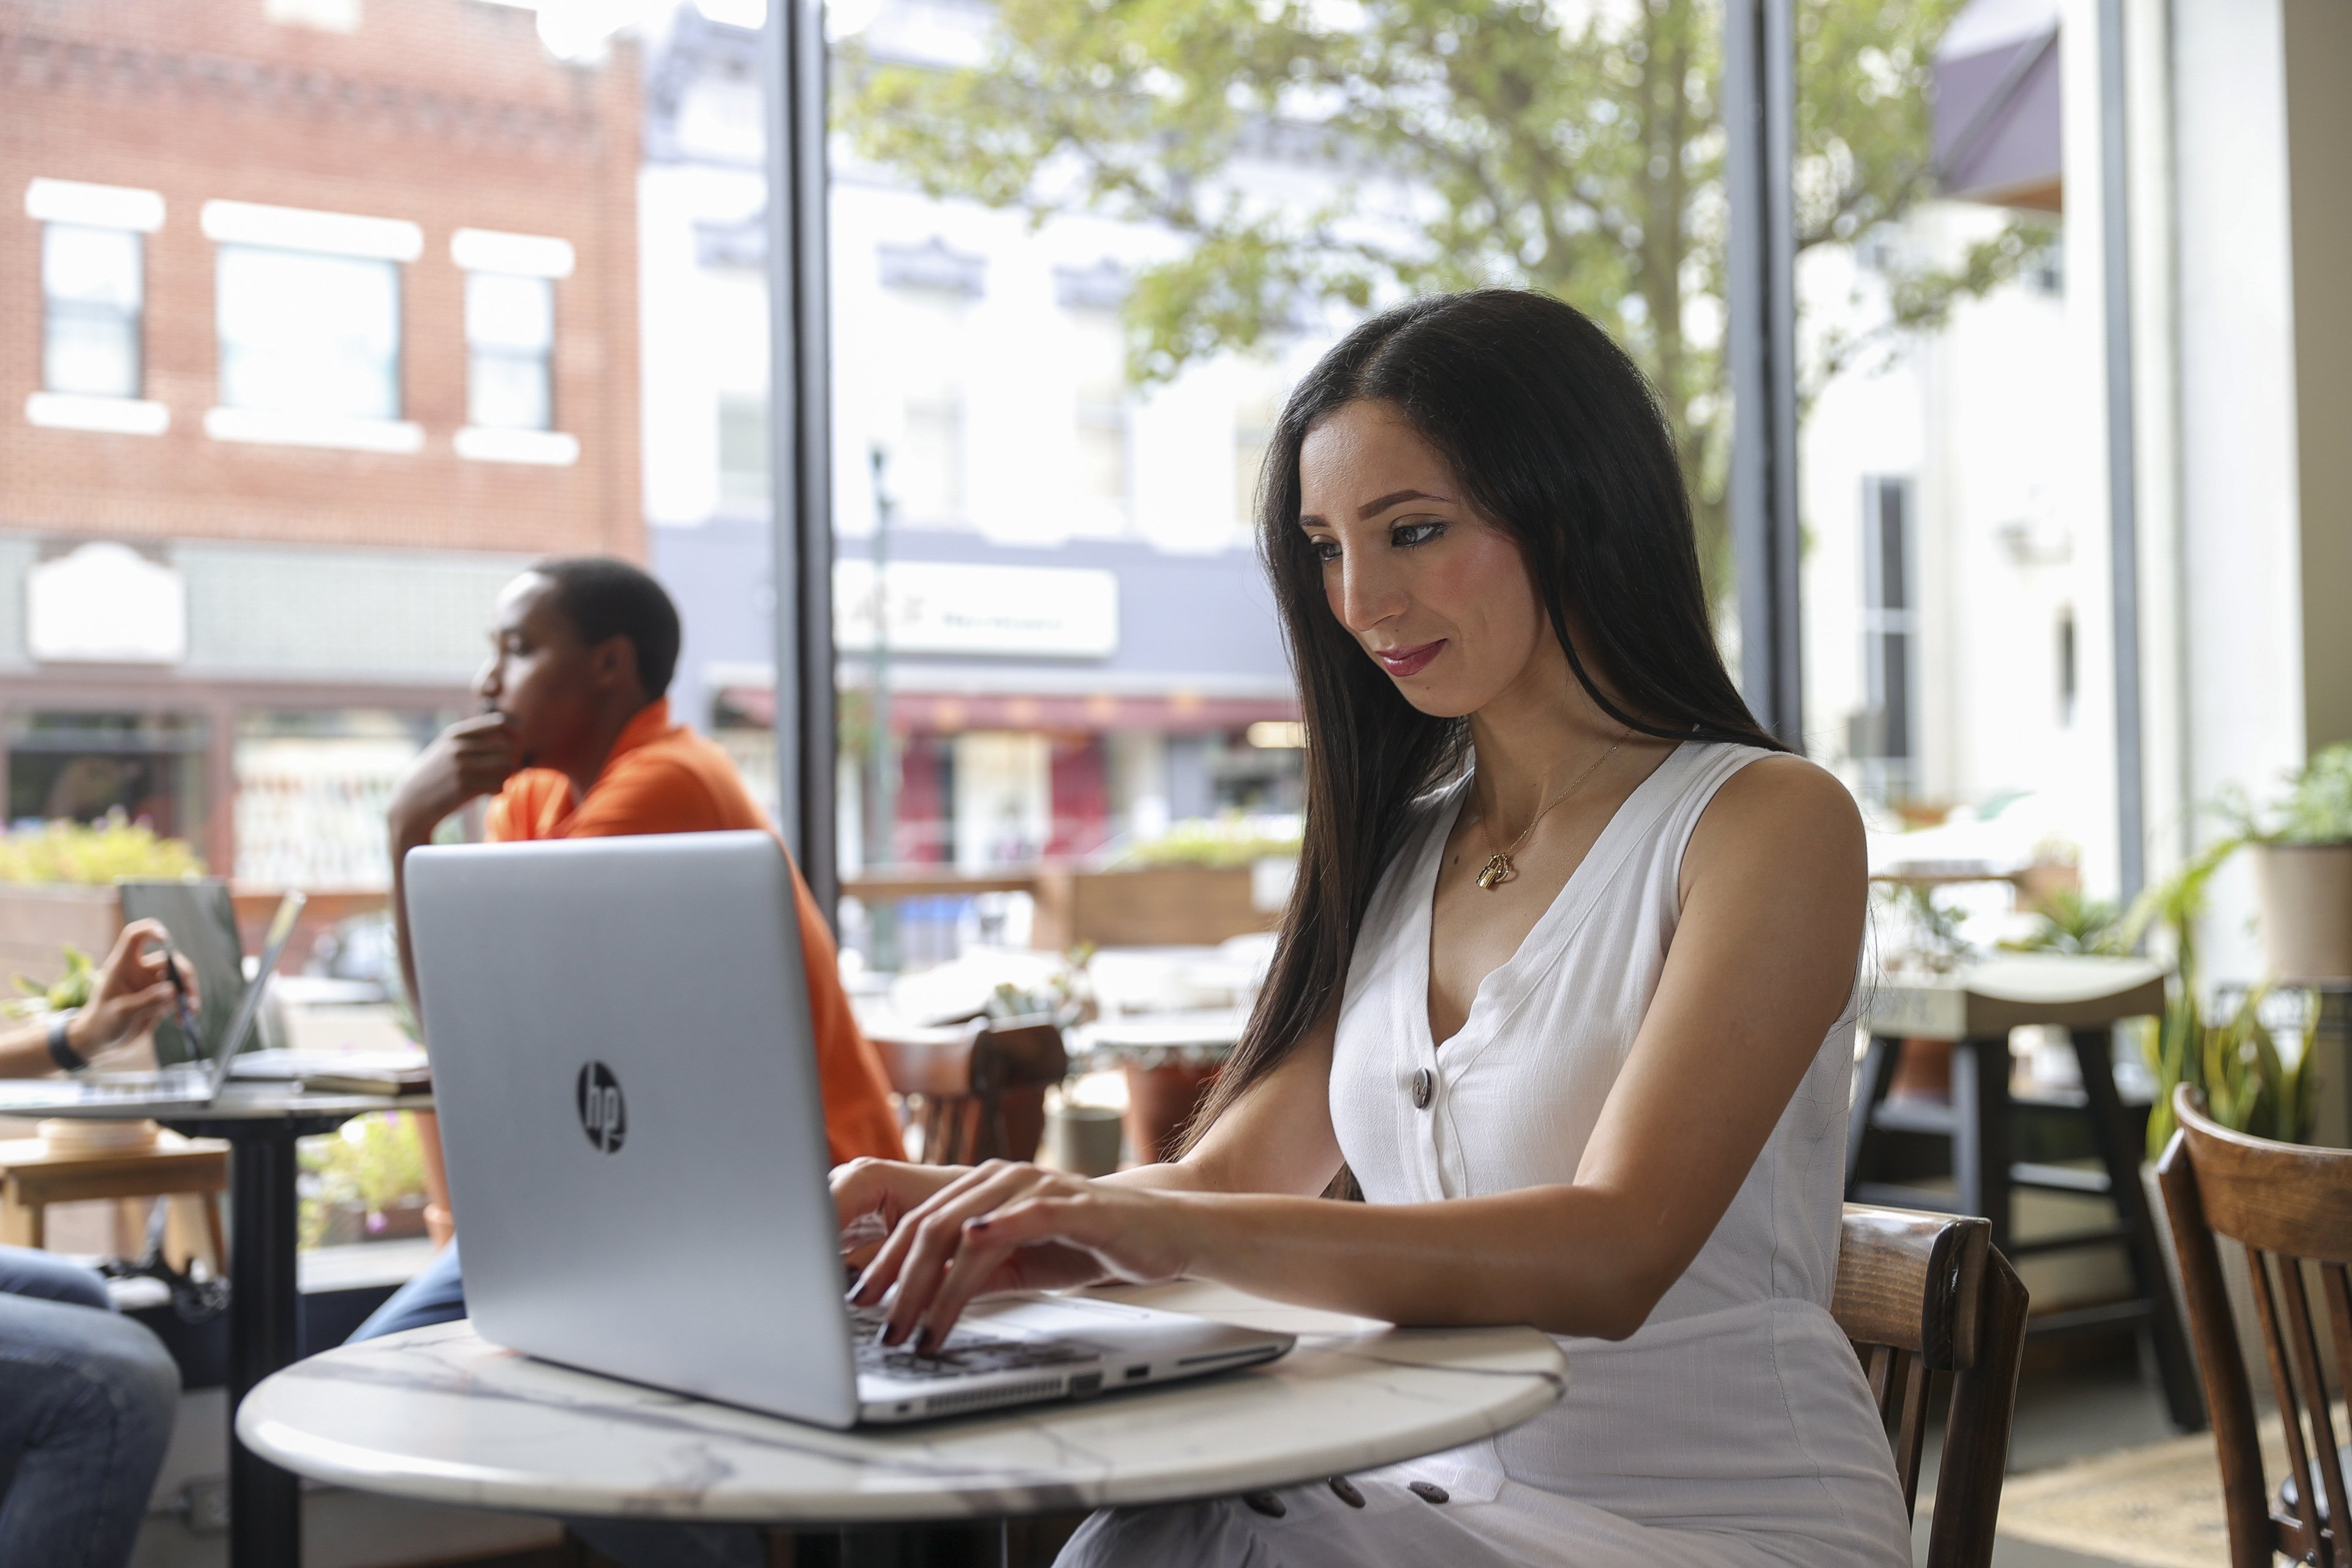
1574	149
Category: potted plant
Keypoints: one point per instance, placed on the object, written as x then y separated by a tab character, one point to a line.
2231	1058
2303	871
1930	943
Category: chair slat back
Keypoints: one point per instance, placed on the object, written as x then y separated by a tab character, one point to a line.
2288	1208
981	1093
1921	1295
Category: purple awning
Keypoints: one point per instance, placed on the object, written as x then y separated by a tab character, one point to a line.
1996	120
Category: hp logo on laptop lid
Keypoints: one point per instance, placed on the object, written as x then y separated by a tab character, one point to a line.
602	1115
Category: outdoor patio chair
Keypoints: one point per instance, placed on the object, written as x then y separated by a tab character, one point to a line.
978	1089
2290	1208
1920	1294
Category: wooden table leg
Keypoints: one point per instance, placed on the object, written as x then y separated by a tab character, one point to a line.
1877	1071
2120	1152
1981	1132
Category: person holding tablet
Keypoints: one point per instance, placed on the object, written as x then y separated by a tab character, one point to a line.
1564	990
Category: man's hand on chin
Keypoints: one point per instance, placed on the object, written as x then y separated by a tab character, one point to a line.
471	758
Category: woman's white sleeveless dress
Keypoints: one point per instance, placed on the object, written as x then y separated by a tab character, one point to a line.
1734	1428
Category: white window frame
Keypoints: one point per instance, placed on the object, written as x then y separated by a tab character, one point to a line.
323	234
515	256
89	205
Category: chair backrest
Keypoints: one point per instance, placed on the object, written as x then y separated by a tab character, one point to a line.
981	1087
1920	1295
2289	1207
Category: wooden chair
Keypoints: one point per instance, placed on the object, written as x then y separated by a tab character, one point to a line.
2290	1208
1920	1294
980	1087
34	1174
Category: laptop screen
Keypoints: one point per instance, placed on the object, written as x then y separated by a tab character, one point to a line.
248	1008
202	919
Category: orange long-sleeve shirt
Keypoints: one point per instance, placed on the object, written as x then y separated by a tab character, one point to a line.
664	778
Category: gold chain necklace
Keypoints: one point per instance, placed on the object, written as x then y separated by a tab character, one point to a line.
1499	870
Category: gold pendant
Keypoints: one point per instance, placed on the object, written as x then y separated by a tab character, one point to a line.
1497	872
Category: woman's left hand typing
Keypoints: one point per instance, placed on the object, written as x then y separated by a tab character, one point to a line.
1006	1227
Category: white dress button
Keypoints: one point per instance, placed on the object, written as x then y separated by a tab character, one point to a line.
1423	1083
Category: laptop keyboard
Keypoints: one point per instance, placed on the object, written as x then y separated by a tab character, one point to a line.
964	1354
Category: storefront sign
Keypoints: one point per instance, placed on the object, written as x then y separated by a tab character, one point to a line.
935	607
105	603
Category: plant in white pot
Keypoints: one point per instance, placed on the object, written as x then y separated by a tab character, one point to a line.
2230	1056
2303	871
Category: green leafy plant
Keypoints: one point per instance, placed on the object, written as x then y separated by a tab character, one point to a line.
94	854
2234	1062
2072	922
1225	841
2248	1085
1574	149
71	990
1068	997
2316	809
1935	943
373	1162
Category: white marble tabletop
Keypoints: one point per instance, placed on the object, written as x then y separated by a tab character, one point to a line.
438	1415
238	1102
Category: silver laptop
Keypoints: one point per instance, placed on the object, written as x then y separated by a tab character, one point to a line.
196	1082
627	1087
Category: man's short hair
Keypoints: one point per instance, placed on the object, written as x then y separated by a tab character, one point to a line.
605	599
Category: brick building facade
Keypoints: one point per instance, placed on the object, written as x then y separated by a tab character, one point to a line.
317	319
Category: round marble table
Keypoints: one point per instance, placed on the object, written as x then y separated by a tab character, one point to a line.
438	1415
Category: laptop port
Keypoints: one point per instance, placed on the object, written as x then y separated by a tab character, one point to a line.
1085	1383
1135	1371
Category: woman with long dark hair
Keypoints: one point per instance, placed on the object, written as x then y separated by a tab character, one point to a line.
1564	990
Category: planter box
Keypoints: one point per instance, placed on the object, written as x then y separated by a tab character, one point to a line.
2305	892
1157	906
36	921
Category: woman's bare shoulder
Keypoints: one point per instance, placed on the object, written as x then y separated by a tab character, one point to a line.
1781	814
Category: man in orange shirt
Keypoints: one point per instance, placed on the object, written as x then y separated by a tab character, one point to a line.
575	742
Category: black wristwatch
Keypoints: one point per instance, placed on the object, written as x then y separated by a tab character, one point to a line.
61	1050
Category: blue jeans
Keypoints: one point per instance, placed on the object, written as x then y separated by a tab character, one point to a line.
437	1295
86	1401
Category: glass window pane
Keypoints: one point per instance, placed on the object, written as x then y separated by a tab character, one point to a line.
90	266
91	353
508	391
307	334
503	311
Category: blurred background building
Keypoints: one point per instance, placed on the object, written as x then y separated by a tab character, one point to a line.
1072	645
323	319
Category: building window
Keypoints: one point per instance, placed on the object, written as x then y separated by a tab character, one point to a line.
307	334
1101	409
509	349
927	468
744	480
931	289
93	304
92	298
1883	741
2068	668
306	307
510	345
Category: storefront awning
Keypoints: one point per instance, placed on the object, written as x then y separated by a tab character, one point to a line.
1997	109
